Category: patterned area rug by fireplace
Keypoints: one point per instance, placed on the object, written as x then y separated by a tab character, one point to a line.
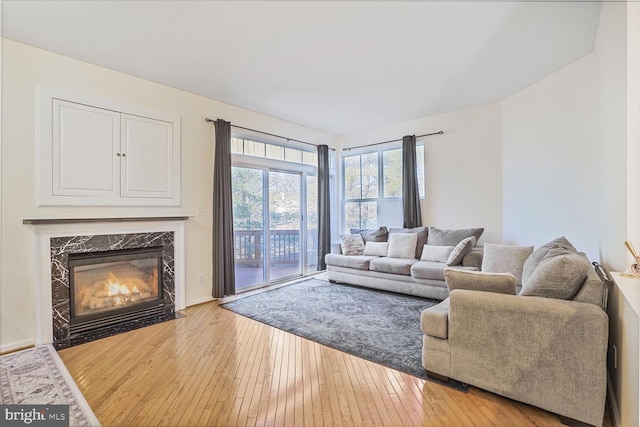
379	326
37	376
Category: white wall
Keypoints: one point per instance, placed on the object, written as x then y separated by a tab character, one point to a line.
612	140
550	159
462	167
23	69
564	146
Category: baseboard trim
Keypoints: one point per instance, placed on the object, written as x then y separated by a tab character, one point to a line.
16	345
613	405
200	301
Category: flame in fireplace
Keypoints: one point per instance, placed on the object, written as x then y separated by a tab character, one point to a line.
116	290
117	287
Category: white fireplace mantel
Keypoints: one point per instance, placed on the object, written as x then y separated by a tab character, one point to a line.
45	230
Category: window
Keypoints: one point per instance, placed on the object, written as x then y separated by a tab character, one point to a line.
268	150
372	178
361	185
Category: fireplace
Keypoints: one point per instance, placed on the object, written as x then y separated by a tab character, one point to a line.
107	288
106	284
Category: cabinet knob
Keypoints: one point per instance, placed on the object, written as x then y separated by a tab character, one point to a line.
124	154
118	154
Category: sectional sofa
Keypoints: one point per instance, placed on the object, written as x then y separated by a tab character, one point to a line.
544	345
409	261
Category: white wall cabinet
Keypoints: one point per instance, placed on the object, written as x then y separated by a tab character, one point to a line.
95	155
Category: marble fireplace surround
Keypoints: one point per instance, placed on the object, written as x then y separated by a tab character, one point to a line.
82	235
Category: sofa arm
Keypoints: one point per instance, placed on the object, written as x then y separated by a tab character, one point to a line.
546	352
336	248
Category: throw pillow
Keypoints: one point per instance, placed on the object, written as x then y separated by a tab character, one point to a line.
452	237
402	245
460	250
372	234
422	237
351	244
505	259
376	248
501	283
436	253
537	255
560	274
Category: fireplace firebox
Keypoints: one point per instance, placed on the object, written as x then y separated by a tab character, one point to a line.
109	287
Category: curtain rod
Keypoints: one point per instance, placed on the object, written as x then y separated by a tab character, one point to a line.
392	140
208	120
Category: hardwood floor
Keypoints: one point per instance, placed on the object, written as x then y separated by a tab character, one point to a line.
216	368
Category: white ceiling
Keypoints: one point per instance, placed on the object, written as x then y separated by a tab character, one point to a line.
336	66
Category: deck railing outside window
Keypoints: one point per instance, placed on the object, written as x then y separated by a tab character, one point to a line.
284	246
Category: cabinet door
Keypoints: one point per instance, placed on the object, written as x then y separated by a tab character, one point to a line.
147	157
84	152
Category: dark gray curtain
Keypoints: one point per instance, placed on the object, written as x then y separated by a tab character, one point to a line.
410	195
324	223
222	231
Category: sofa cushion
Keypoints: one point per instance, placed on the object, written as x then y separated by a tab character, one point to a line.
502	283
460	250
402	245
428	270
392	265
592	289
537	255
560	274
351	244
474	258
422	237
505	259
360	262
372	234
436	253
434	321
440	237
376	248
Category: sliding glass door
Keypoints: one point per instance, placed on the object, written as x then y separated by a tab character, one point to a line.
271	233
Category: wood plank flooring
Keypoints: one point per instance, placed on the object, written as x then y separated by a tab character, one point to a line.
216	368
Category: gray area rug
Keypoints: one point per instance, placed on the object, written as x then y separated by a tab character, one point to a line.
37	376
379	326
